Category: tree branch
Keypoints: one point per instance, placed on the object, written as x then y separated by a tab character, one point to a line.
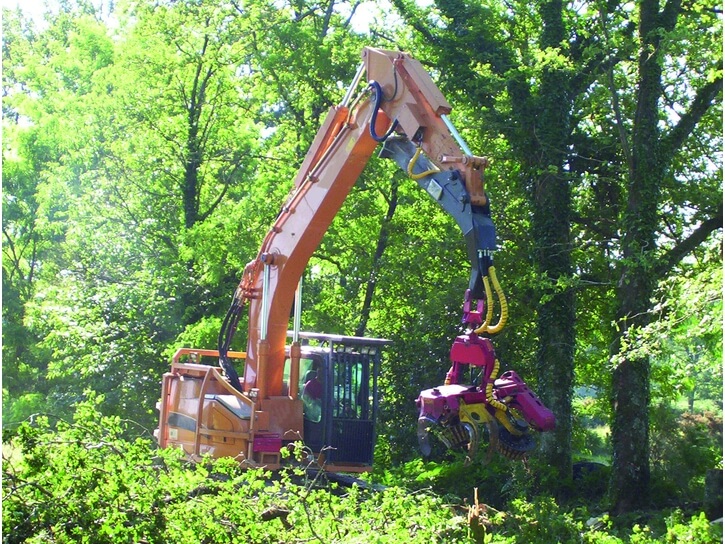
604	228
669	14
226	184
689	244
337	264
623	139
407	10
381	246
14	256
355	5
672	142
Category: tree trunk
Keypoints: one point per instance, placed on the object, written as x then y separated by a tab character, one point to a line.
375	265
551	231
630	387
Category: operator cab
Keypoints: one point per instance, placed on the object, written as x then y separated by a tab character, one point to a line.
333	411
338	386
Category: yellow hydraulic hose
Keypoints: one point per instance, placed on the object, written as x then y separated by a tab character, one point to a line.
501	300
489	389
420	175
489	306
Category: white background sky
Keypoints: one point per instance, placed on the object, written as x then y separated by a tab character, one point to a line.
364	14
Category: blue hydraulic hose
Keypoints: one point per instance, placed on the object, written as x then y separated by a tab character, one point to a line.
378	100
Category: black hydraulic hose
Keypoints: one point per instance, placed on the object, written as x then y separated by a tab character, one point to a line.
223	330
484	263
378	100
229	331
226	333
485	258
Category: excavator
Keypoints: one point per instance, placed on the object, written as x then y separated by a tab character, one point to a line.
322	389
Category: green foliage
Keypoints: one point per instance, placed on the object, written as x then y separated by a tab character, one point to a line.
202	333
453	479
542	520
697	529
684	341
684	447
677	528
16	409
590	439
82	482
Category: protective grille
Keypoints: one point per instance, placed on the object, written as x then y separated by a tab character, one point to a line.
353	441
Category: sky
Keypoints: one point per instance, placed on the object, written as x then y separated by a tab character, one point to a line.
32	7
364	15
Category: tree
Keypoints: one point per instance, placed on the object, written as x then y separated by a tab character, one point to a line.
40	181
158	141
523	82
596	162
650	153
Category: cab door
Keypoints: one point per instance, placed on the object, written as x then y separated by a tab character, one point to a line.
312	392
352	392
